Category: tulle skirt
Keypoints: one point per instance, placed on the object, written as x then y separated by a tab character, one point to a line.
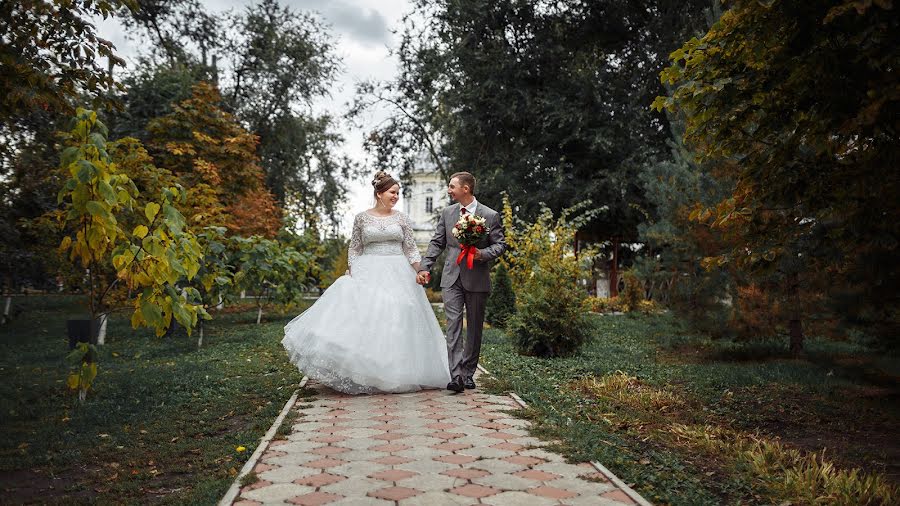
371	332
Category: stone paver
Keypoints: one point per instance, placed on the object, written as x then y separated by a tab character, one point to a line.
423	448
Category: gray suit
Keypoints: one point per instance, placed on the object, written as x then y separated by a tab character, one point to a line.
463	287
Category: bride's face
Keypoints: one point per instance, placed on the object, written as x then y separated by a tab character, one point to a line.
389	197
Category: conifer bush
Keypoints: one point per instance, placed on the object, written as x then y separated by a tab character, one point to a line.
501	305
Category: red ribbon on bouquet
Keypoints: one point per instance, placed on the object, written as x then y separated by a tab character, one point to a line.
468	252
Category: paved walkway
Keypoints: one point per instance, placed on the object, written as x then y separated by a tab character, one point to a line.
426	448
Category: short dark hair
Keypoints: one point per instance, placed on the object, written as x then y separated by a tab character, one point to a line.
465	179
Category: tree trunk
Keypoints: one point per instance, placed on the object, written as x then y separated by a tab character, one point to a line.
6	308
101	334
614	271
796	332
795	323
259	315
200	338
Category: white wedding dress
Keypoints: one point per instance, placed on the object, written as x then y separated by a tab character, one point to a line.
373	330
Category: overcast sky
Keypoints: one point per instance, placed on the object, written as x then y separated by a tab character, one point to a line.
362	31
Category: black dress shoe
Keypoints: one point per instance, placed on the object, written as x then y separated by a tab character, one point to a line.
456	385
470	383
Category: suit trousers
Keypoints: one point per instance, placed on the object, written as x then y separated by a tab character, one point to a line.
462	351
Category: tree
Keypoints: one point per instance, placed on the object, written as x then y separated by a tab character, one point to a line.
676	245
795	102
501	304
27	191
339	265
282	60
49	54
270	270
215	159
546	100
151	91
175	28
215	278
149	258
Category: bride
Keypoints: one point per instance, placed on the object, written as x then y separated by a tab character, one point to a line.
373	330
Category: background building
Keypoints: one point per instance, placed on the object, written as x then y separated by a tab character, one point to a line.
423	199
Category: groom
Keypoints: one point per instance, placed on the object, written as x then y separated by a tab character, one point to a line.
463	287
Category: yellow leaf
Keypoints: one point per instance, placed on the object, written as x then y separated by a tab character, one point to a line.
151	210
66	242
241	449
72	382
140	231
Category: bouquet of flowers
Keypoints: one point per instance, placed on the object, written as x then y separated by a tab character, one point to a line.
468	231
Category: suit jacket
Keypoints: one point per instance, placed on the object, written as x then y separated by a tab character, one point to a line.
477	279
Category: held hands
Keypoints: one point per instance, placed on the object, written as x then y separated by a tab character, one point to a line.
477	255
423	277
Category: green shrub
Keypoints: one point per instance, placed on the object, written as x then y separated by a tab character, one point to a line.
550	319
606	304
501	305
633	293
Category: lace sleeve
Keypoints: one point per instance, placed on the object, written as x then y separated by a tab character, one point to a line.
409	242
356	246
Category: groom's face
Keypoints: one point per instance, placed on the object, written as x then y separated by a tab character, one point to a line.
456	190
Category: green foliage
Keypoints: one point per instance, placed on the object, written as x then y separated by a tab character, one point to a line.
215	278
169	30
550	316
543	100
84	358
606	304
339	267
50	54
270	270
29	180
284	59
501	304
99	202
633	294
676	245
793	103
151	91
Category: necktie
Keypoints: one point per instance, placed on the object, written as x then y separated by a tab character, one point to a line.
464	211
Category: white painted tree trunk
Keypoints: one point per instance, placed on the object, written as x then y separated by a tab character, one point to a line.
200	338
101	335
221	303
6	308
259	315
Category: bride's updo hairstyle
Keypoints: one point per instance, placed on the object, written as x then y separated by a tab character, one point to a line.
383	182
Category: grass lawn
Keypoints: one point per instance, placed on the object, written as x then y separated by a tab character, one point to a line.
688	420
163	422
